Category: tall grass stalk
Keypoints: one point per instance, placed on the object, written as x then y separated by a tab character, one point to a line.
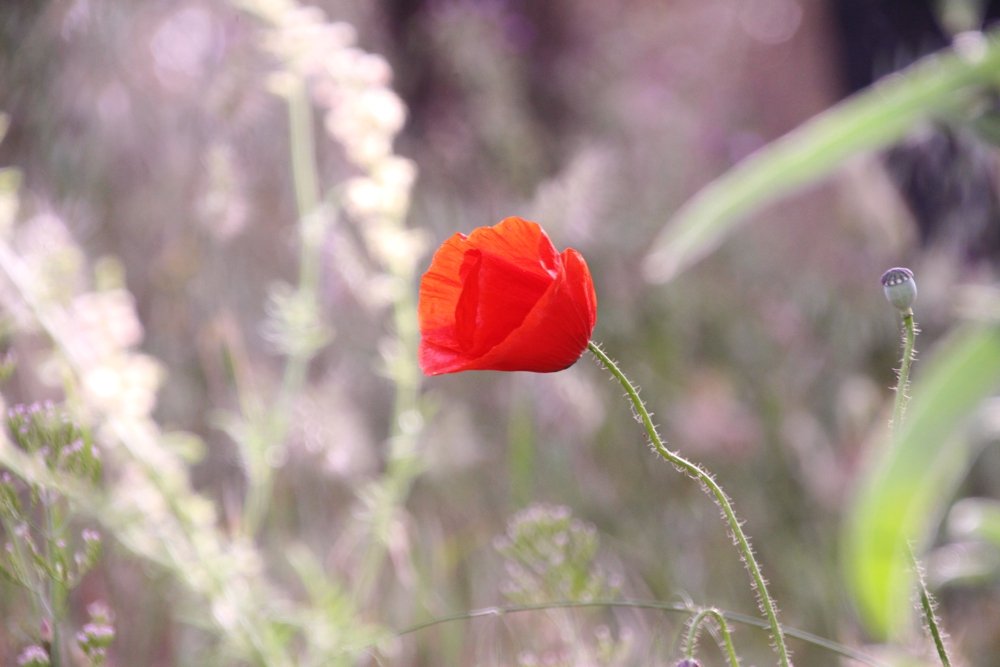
301	346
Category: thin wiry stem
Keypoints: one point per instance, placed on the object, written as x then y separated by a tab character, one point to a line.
927	607
668	607
700	474
56	593
305	180
691	641
909	337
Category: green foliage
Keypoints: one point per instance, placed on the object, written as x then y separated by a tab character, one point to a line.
43	552
87	340
254	552
49	432
906	491
870	120
96	636
915	474
551	556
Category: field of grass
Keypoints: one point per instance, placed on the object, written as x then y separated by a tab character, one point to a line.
219	446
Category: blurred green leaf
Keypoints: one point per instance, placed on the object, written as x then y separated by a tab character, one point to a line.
987	126
867	121
904	495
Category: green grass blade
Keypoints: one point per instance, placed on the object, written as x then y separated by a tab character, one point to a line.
867	121
855	655
904	494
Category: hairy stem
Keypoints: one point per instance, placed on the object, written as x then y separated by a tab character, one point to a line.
710	485
927	607
692	636
925	603
909	336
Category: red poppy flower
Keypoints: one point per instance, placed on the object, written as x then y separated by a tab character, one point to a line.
503	299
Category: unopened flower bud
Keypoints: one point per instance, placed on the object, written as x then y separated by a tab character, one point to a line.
900	288
688	662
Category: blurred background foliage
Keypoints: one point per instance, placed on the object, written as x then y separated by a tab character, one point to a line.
221	175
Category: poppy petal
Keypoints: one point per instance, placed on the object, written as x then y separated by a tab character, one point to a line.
497	296
520	242
504	299
553	336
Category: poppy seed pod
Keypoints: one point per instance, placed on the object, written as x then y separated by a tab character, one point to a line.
900	288
502	298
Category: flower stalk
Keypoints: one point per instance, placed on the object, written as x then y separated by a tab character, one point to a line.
711	486
900	290
909	338
56	592
299	347
691	641
927	607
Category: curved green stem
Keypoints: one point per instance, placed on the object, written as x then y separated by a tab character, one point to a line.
667	607
909	337
692	636
710	485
